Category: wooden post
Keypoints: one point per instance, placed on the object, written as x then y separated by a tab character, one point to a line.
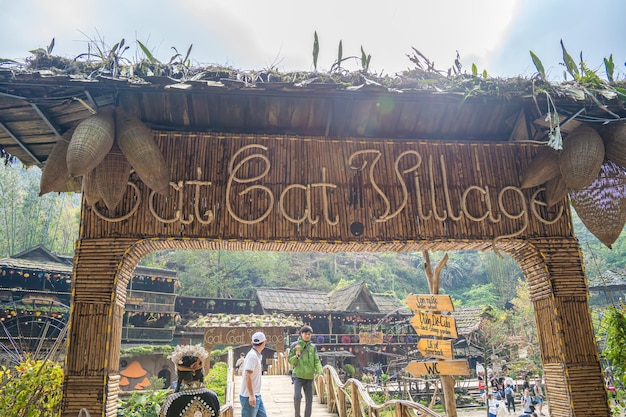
447	382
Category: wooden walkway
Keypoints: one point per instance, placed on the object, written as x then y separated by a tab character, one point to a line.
277	393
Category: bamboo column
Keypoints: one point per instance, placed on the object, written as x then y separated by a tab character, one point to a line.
98	298
558	290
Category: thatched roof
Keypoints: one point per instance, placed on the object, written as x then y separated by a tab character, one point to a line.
291	300
608	280
352	298
39	258
469	319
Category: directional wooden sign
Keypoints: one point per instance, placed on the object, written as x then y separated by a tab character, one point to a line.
441	349
426	324
456	367
429	302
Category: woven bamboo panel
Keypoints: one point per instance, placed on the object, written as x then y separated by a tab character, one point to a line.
298	189
82	391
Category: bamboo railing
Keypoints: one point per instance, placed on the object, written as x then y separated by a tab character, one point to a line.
351	399
227	409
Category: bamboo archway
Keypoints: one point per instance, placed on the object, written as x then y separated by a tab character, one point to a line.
252	192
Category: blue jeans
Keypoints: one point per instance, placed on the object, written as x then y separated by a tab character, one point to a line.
248	411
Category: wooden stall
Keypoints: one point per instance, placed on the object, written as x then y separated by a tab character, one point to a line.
294	167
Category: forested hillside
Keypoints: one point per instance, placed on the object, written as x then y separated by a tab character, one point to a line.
472	278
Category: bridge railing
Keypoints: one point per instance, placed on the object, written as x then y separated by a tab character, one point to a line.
351	399
279	365
227	409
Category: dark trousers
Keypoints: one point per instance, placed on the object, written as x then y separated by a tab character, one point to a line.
306	385
510	403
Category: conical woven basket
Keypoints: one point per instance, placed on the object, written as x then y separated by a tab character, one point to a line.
602	204
112	177
556	190
90	143
137	143
89	188
54	176
581	157
615	143
543	167
73	185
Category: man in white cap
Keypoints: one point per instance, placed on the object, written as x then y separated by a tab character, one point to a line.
252	369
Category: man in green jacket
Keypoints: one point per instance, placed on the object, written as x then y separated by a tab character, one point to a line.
306	365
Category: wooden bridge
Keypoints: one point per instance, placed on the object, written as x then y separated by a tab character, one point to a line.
334	398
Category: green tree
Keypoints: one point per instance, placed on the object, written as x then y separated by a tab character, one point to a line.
27	220
614	323
503	273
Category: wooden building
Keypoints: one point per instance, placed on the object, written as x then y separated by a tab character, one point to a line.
35	296
320	162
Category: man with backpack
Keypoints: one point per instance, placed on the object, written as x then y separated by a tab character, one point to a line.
509	394
306	365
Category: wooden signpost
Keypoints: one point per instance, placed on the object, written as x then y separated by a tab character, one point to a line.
440	349
429	302
428	322
436	368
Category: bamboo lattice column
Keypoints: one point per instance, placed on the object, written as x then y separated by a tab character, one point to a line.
558	289
101	271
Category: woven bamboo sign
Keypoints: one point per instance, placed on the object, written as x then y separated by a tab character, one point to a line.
245	187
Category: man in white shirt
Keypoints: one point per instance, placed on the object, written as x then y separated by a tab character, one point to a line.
252	370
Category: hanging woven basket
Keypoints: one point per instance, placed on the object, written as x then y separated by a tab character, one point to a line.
602	204
54	175
90	143
581	157
615	143
556	190
112	177
543	167
89	188
137	143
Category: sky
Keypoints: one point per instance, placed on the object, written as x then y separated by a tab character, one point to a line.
496	35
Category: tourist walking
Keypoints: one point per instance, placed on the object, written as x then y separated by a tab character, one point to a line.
252	370
306	365
538	393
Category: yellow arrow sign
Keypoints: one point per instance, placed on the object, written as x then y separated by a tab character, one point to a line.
441	349
426	324
429	302
456	367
